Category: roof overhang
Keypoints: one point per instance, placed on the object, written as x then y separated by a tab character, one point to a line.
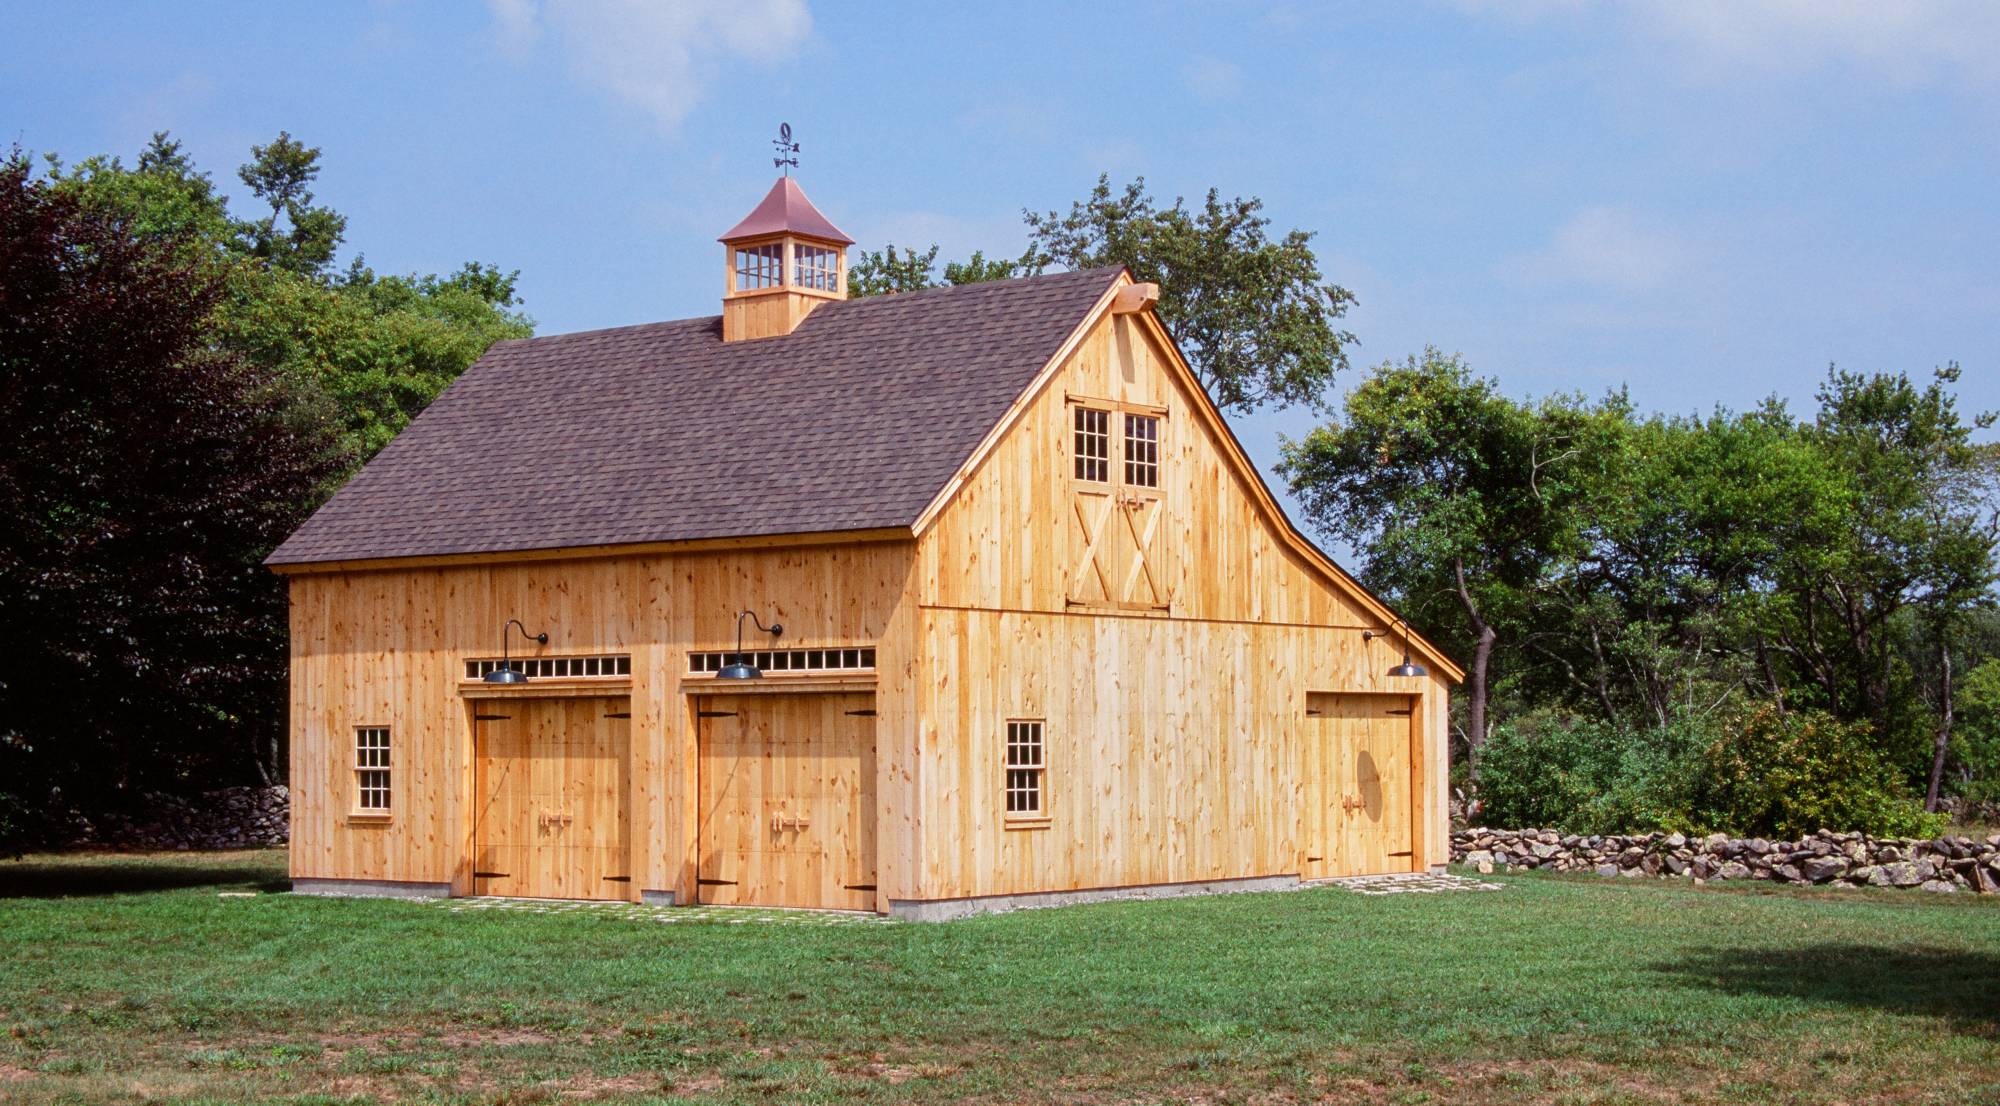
593	552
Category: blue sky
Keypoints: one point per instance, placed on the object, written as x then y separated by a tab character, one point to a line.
1705	201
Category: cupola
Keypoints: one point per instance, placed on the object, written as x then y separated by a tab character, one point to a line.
782	260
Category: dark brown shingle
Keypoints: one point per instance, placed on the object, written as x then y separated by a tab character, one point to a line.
664	433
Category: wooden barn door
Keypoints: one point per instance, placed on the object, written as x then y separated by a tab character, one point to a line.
1355	785
550	777
1319	776
788	801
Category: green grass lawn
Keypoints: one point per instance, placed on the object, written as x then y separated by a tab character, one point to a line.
131	979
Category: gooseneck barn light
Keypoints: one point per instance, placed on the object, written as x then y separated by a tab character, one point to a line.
1407	668
739	666
507	673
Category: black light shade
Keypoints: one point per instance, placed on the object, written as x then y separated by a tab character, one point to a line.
506	676
740	670
1408	669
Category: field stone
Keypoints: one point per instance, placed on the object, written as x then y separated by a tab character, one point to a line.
1900	874
1733	870
1940	886
1607	869
1823	868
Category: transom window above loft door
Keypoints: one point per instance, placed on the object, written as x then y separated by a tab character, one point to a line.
1116	444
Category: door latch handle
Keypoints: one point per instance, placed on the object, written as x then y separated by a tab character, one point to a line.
781	823
556	818
1351	804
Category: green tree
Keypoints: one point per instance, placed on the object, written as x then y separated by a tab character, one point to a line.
1457	498
889	270
297	236
1919	536
1253	313
147	473
363	352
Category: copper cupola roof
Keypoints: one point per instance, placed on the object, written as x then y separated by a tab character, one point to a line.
785	210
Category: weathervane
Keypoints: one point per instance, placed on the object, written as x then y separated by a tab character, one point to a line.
788	150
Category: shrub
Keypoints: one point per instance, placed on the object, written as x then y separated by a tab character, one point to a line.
1976	739
1778	774
1581	775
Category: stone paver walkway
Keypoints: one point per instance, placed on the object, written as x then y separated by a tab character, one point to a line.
637	912
1413	883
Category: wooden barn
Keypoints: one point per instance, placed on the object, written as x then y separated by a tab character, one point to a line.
1023	624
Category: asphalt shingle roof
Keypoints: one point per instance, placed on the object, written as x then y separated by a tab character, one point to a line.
663	432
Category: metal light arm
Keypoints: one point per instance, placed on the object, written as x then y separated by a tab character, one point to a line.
774	629
515	623
1406	668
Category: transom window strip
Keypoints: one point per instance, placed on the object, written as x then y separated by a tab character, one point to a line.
1093	444
1142	451
815	267
760	267
556	668
1024	769
844	659
371	768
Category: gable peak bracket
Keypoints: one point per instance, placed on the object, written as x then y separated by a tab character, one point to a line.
1134	298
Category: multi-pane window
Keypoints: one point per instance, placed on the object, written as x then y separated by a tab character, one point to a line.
371	769
760	267
1093	445
1142	451
1025	770
815	267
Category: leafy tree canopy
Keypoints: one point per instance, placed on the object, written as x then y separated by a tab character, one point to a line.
365	352
147	473
1252	312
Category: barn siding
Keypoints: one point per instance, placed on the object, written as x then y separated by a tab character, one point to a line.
388	648
1173	737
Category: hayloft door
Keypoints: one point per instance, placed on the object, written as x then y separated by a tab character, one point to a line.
549	777
788	801
1119	551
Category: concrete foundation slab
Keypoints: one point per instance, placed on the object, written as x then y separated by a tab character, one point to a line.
371	888
945	910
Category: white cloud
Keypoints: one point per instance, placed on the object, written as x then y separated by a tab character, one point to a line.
658	56
1213	78
1606	245
1904	40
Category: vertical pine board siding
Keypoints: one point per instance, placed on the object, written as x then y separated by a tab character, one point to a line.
388	647
1173	738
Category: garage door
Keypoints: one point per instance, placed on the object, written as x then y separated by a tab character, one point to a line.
788	800
550	783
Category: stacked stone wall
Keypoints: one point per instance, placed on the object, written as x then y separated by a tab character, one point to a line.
1944	864
232	818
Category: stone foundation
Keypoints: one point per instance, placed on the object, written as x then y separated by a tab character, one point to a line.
1944	864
